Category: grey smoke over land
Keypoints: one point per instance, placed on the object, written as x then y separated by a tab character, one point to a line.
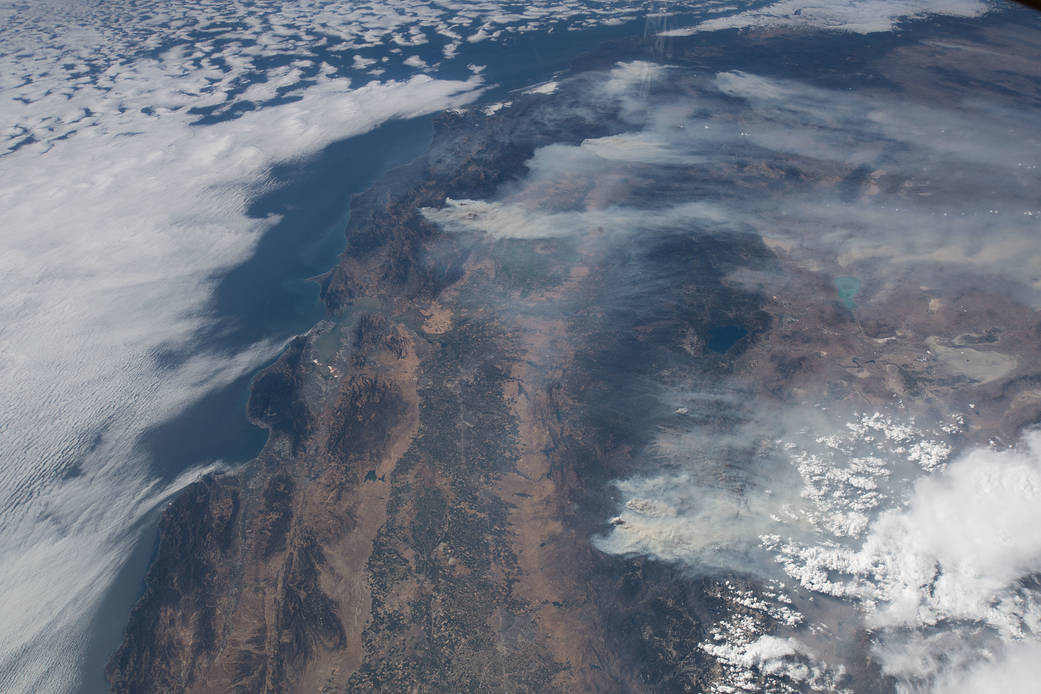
866	181
926	546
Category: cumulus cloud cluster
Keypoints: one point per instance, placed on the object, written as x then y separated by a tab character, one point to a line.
939	568
954	557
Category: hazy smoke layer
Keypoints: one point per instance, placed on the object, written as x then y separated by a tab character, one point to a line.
849	521
135	134
934	556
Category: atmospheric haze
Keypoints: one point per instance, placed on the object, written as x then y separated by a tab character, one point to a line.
852	520
137	136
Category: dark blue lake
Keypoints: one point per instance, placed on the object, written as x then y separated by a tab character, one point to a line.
721	339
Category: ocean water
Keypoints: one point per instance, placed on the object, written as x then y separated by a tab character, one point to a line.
173	176
272	295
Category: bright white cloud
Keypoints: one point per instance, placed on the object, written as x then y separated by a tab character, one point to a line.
936	574
960	543
638	74
416	62
939	578
116	224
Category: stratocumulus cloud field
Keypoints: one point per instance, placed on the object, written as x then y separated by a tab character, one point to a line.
134	138
115	244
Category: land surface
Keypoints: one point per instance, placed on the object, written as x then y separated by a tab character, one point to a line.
442	448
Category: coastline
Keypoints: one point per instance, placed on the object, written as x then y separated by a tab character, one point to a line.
472	410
